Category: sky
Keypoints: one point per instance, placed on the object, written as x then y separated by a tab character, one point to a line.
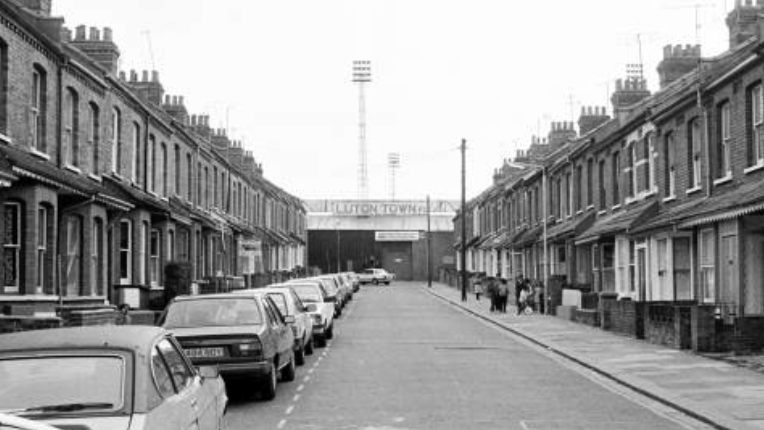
277	74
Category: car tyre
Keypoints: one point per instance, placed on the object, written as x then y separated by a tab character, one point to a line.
387	283
330	332
289	371
375	282
299	355
321	341
269	384
309	346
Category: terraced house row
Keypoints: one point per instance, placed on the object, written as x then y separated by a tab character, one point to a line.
105	179
655	213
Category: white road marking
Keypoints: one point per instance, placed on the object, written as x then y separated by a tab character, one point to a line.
301	387
289	409
296	397
282	423
306	379
311	370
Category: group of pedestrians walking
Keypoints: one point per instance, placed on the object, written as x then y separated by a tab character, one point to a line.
497	291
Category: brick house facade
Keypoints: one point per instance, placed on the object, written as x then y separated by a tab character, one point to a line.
104	179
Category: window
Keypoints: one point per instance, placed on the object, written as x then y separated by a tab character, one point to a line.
707	266
137	161
39	107
94	124
579	187
589	182
3	87
670	173
12	247
97	261
650	175
631	170
694	151
116	141
71	145
42	247
199	184
756	126
724	168
171	245
143	253
73	259
181	374
189	177
163	166
206	187
603	190
154	252
150	166
569	191
177	170
125	252
215	194
615	178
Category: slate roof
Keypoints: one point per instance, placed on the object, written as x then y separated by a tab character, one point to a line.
570	228
622	221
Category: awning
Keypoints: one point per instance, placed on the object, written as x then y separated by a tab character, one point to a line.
566	229
496	241
622	221
509	241
529	237
297	238
487	241
473	241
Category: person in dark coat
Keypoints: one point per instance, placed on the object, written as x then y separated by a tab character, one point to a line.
519	287
503	295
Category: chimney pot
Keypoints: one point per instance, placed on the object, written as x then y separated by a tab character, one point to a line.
122	76
180	100
145	76
133	76
154	76
66	34
167	100
667	52
95	34
80	32
193	119
107	34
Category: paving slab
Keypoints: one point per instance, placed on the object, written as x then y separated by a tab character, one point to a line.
719	393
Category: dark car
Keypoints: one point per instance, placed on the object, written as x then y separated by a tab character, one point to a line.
107	378
245	335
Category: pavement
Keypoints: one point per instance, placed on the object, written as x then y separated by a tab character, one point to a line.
720	394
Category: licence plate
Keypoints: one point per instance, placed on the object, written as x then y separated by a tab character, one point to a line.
205	352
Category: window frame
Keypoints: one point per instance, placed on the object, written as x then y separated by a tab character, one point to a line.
127	251
13	245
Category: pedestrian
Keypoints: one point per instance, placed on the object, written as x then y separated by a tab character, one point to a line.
492	292
519	286
477	287
503	295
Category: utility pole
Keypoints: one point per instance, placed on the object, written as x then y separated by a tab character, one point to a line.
464	221
429	246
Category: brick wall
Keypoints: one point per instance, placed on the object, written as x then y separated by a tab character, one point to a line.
622	316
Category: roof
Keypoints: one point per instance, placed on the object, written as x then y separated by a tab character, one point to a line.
495	240
528	237
23	164
390	223
511	238
745	199
571	228
621	221
135	338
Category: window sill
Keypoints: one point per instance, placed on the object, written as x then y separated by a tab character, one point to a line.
693	190
670	198
602	212
117	176
754	168
590	207
579	212
723	180
616	207
71	168
5	139
39	154
95	177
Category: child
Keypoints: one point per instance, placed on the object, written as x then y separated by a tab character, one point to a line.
478	288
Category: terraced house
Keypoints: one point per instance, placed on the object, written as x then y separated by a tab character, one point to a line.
657	213
105	179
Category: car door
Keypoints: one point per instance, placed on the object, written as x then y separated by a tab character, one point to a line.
271	333
300	315
176	410
208	397
283	334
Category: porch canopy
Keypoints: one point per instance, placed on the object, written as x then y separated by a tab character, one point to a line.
490	241
511	239
622	221
529	237
566	229
746	199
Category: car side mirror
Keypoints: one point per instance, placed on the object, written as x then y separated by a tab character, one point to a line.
209	372
289	319
329	300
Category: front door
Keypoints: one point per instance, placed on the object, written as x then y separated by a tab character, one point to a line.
641	272
727	292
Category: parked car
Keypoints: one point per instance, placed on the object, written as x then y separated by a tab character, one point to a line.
375	276
108	377
245	335
311	292
12	422
295	314
342	290
353	277
347	284
330	290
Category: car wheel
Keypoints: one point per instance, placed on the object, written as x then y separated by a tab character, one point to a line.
299	355
330	332
269	384
289	371
375	282
309	346
321	341
387	283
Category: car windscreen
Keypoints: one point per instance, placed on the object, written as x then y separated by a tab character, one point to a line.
219	312
62	384
308	293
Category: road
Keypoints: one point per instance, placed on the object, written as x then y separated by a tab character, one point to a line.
403	359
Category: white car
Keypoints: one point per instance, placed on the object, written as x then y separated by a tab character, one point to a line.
295	311
18	423
375	276
321	310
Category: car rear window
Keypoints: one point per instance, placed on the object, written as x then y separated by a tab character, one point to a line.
29	382
222	312
308	293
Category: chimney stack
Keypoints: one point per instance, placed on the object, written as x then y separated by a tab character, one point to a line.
99	47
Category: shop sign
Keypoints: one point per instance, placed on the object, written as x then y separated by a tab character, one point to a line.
396	236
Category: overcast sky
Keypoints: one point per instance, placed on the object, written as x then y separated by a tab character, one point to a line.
496	72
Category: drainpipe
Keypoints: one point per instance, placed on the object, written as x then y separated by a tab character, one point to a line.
59	111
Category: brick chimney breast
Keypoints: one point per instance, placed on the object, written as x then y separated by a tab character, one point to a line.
743	21
677	61
99	46
38	7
